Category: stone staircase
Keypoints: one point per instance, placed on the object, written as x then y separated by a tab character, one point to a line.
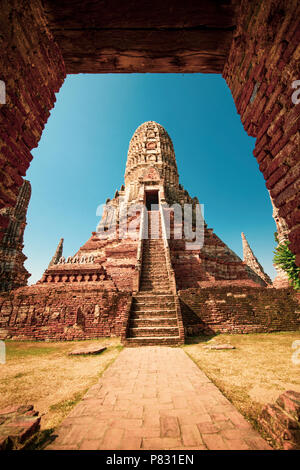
153	317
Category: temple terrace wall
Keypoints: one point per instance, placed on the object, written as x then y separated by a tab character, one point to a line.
239	309
85	311
64	312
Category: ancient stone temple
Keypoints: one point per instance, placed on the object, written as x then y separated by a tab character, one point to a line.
13	274
141	275
151	179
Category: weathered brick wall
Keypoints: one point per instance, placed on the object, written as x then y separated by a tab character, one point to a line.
239	309
262	64
33	71
63	312
214	263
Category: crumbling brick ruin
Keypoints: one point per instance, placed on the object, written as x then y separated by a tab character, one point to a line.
13	274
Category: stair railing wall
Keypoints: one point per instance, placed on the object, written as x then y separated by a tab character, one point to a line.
171	274
170	269
138	268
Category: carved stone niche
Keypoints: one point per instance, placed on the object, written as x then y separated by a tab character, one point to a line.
151	174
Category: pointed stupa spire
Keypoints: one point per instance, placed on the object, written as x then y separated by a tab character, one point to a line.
253	263
58	253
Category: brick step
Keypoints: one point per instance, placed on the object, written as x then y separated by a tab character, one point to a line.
148	285
163	280
154	235
146	321
155	302
139	314
155	283
154	305
154	341
153	244
156	268
155	276
147	277
155	289
153	269
154	256
156	261
154	286
153	331
153	298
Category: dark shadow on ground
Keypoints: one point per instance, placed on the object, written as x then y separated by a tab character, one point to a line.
199	339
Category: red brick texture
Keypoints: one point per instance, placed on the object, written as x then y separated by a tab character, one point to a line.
262	64
33	71
239	310
281	420
18	424
63	312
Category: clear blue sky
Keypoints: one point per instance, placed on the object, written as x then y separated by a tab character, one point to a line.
81	157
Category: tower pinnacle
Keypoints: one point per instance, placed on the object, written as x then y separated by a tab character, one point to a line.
58	253
253	263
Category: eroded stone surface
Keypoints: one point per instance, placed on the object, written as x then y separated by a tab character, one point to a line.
17	425
281	420
220	346
13	274
92	349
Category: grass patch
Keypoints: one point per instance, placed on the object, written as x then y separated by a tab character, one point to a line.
253	374
44	375
65	406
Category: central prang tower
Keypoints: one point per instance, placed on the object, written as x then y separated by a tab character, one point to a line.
151	181
150	149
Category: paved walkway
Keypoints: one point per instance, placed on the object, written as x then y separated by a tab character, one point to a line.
155	398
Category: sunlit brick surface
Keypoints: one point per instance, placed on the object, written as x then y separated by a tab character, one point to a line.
155	398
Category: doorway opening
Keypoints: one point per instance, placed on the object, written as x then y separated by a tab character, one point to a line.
151	200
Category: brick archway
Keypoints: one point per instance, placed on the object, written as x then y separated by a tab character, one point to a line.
253	44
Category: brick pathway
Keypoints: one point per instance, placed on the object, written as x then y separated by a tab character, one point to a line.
155	398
